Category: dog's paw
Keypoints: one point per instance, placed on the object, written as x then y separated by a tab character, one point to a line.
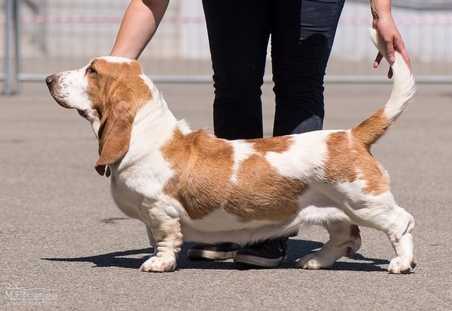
400	265
313	261
159	264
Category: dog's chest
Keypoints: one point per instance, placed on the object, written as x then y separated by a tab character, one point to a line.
145	179
127	200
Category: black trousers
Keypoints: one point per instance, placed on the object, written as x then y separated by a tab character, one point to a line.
302	34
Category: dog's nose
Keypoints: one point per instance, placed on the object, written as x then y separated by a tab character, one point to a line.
50	79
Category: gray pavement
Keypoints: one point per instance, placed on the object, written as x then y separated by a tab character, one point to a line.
64	245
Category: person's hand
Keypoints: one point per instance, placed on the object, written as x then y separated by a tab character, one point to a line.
387	30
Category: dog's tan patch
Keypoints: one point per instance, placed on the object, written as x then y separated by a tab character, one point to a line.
272	144
117	92
114	82
371	129
203	167
348	157
262	194
340	164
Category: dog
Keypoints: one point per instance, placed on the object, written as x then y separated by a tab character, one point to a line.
190	185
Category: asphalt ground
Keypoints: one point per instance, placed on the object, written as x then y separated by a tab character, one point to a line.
65	246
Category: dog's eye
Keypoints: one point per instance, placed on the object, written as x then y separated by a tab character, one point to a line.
90	70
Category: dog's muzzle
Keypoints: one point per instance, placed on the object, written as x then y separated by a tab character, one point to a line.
52	82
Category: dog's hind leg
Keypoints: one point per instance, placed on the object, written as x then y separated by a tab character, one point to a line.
402	242
344	237
166	232
398	224
381	212
344	240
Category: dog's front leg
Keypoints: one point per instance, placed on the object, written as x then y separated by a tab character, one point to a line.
166	231
152	242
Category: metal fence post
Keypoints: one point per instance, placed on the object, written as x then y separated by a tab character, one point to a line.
7	57
11	70
18	41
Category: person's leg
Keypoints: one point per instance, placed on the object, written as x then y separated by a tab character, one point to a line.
301	46
238	37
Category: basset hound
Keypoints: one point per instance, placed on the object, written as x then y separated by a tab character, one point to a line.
187	184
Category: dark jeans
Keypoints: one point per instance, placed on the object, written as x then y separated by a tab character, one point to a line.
302	34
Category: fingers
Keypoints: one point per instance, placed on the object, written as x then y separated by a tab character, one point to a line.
400	47
396	44
390	50
377	60
392	40
380	56
377	63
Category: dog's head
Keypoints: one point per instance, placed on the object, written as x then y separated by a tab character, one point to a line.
108	92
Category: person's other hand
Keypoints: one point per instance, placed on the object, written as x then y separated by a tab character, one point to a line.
387	30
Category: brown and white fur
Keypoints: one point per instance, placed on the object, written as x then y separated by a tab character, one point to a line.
190	185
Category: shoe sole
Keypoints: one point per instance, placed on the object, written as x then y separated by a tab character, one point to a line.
200	254
258	261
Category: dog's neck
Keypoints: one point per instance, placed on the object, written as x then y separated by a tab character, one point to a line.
153	126
154	113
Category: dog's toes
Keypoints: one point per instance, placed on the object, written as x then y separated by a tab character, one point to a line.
400	265
309	262
159	264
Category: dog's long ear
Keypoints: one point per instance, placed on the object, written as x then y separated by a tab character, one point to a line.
114	134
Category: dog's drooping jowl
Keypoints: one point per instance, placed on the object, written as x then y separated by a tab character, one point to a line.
189	185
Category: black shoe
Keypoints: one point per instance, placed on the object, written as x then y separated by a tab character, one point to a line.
221	251
267	254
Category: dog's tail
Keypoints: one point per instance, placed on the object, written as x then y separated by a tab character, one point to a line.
371	129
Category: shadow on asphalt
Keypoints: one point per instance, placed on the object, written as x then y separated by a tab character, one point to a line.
297	249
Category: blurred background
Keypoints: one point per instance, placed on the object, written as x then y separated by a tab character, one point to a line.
44	36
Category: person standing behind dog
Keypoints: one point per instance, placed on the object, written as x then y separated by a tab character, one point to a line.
302	34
